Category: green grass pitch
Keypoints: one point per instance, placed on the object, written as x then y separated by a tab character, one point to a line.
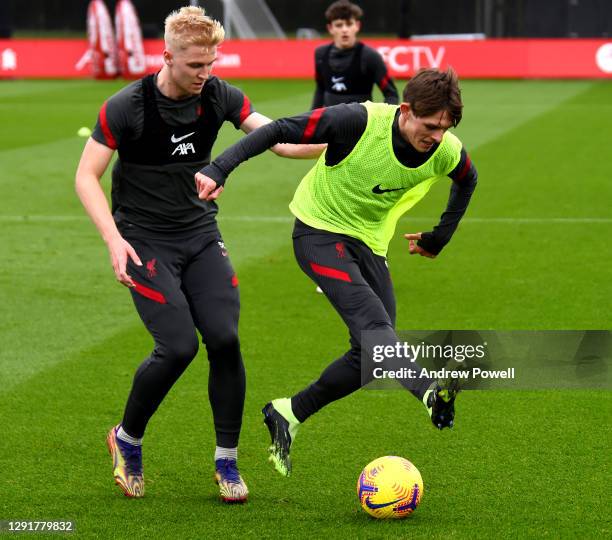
532	253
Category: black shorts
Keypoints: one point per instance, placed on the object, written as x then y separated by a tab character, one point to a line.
355	280
185	282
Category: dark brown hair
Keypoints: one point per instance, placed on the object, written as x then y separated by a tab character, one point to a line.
343	9
431	90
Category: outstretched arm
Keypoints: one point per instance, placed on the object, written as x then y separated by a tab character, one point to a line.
429	244
295	151
211	179
341	126
303	129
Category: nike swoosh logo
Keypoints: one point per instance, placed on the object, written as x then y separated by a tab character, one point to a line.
337	79
179	139
379	191
373	506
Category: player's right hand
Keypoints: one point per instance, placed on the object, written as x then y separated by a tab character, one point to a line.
207	188
119	250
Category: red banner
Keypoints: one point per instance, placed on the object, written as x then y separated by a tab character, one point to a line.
102	48
490	58
130	48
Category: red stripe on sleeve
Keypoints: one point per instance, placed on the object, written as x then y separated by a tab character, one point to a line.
330	272
246	109
384	82
156	296
466	168
311	126
108	135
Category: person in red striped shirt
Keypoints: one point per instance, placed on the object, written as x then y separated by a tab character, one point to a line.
346	70
164	242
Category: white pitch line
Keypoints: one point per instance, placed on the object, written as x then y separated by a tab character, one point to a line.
534	220
41	218
289	219
275	219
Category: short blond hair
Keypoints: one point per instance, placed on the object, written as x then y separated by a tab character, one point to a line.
191	26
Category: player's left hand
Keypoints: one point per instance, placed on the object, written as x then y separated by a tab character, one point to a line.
207	188
414	248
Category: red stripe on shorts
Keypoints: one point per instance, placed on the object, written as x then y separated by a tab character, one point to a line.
330	272
156	296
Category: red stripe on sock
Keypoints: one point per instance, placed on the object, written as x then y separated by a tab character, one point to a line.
330	272
156	296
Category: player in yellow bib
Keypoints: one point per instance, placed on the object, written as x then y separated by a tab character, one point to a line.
380	161
364	195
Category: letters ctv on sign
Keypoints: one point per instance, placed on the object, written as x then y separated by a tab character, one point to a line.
410	58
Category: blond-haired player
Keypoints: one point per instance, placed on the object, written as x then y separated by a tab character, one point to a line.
163	241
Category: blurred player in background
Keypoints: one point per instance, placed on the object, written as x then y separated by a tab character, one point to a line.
346	69
380	161
164	242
